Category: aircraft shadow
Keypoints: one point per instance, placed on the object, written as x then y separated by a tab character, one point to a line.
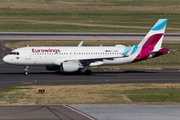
94	73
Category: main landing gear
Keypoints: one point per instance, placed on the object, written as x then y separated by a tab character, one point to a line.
78	72
26	70
88	72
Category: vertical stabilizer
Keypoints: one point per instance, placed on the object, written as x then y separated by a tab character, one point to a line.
152	41
155	36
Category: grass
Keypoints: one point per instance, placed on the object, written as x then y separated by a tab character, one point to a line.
154	94
87	15
8	89
169	61
143	93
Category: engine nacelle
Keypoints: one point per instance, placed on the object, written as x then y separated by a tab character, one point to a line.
52	68
69	67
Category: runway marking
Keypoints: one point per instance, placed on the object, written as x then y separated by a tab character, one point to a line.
78	112
27	83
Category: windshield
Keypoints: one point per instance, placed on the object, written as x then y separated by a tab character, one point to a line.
14	53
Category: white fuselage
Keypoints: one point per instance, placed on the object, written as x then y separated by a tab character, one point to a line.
56	55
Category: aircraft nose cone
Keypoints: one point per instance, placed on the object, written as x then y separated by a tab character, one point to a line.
5	59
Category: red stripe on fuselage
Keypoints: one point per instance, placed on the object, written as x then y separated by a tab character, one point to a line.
148	47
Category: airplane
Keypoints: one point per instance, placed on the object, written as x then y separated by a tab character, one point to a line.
73	59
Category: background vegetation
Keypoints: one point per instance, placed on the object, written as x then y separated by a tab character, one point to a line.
142	93
87	15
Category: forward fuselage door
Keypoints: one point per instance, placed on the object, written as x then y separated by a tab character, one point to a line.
27	54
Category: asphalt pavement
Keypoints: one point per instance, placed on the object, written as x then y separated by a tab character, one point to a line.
80	36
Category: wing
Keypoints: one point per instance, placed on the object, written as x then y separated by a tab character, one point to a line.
86	60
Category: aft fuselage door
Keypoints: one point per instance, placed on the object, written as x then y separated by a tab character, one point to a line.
27	54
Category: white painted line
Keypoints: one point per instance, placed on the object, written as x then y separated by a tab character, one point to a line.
78	112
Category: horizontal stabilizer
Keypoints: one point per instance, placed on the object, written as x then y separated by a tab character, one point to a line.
159	51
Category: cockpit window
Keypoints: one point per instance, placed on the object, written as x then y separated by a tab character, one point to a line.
14	53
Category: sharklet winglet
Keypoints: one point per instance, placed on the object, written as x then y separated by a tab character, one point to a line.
129	52
80	44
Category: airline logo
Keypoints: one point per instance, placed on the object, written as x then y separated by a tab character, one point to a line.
17	58
45	50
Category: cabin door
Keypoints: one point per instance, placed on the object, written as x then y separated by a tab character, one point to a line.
27	54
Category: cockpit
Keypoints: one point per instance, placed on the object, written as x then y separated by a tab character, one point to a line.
14	53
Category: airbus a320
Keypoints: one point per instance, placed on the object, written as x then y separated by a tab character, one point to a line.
73	59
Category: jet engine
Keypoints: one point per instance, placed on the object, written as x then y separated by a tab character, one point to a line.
69	67
52	68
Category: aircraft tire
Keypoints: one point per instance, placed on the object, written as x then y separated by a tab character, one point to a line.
26	73
78	72
88	72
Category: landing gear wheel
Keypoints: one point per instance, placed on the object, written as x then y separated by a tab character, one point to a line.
25	72
78	71
88	72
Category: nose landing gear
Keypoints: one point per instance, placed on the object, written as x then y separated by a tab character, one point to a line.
26	70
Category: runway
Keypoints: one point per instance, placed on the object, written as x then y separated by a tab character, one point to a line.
13	75
44	112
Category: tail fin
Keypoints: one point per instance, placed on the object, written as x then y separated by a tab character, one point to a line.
155	36
152	41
